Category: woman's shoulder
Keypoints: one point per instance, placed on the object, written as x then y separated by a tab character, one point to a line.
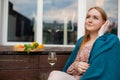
110	37
81	38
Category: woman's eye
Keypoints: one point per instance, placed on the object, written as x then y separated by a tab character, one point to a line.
96	18
87	16
92	17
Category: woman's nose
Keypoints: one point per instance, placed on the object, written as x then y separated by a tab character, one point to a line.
90	20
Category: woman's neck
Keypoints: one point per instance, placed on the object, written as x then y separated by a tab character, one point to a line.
93	37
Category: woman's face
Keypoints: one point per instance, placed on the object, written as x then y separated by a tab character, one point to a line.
93	21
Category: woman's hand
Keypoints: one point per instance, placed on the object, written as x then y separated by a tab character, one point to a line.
82	67
71	70
104	28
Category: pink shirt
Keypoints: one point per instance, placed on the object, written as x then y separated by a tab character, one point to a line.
81	56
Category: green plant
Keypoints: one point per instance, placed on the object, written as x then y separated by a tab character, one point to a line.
29	47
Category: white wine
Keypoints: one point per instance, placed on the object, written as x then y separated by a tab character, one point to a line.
52	61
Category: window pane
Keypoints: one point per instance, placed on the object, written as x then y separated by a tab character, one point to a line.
111	7
21	20
60	21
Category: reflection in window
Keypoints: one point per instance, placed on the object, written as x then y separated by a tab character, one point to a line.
21	20
60	21
111	7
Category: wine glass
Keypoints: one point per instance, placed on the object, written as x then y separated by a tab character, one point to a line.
52	58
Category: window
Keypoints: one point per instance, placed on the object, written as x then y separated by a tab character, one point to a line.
52	22
65	24
60	21
21	20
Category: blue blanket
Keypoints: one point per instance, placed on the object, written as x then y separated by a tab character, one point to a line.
104	58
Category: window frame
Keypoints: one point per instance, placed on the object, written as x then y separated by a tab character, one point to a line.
39	19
